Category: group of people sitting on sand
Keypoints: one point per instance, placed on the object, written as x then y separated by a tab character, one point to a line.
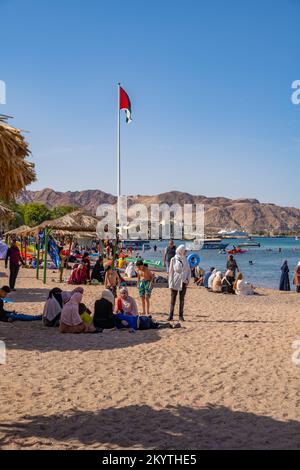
232	282
67	311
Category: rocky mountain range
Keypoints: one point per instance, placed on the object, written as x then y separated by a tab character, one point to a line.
220	212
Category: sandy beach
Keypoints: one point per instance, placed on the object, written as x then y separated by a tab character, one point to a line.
224	381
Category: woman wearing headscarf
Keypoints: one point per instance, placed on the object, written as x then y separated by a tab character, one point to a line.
179	278
71	321
207	277
98	271
297	278
79	274
54	304
227	283
130	270
104	317
217	283
211	279
125	303
285	278
242	287
86	261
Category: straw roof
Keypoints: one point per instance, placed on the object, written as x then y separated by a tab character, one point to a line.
15	172
18	231
5	213
77	223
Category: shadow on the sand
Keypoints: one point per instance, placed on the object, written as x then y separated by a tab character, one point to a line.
238	321
179	428
29	295
35	337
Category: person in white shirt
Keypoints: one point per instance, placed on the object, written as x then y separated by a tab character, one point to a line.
179	278
217	283
242	287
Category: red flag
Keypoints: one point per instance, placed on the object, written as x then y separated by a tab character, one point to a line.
125	104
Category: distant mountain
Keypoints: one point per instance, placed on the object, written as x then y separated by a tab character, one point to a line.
220	212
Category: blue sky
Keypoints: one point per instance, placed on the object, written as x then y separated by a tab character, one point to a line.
210	85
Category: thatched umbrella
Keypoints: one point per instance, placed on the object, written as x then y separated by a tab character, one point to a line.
5	213
5	216
75	224
15	172
71	224
18	232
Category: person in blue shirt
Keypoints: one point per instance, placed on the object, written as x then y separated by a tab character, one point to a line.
207	276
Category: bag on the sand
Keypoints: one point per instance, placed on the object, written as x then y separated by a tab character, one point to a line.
146	323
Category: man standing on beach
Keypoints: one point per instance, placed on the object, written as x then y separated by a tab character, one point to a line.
14	255
170	252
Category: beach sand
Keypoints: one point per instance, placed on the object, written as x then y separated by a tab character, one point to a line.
226	380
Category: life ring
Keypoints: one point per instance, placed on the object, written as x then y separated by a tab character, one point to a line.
193	260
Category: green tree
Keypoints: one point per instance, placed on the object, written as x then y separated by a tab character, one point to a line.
60	211
36	213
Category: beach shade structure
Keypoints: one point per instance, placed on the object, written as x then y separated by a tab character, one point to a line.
5	215
18	232
15	171
76	224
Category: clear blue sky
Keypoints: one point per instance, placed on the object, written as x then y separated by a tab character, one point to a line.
209	81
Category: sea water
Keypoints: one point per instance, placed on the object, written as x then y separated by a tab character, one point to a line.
267	260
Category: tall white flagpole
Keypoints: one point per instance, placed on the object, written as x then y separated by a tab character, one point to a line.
119	154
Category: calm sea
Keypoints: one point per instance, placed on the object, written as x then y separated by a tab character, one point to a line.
267	260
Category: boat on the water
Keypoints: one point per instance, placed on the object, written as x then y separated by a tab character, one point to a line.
233	234
136	245
237	251
207	244
249	244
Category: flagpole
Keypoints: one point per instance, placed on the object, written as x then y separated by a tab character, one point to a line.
119	153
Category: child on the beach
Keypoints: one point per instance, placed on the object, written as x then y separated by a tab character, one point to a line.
61	264
145	285
112	280
10	317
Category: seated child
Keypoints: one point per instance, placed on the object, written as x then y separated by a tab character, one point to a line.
125	303
10	317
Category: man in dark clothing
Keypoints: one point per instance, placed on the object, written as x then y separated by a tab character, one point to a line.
170	252
15	259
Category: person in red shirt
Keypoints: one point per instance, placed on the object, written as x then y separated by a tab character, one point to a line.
15	261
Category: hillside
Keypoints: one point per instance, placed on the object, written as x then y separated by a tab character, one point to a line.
220	212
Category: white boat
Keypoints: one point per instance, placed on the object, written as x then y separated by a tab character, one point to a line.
233	234
136	245
207	244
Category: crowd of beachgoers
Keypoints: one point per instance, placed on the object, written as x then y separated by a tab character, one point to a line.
116	309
